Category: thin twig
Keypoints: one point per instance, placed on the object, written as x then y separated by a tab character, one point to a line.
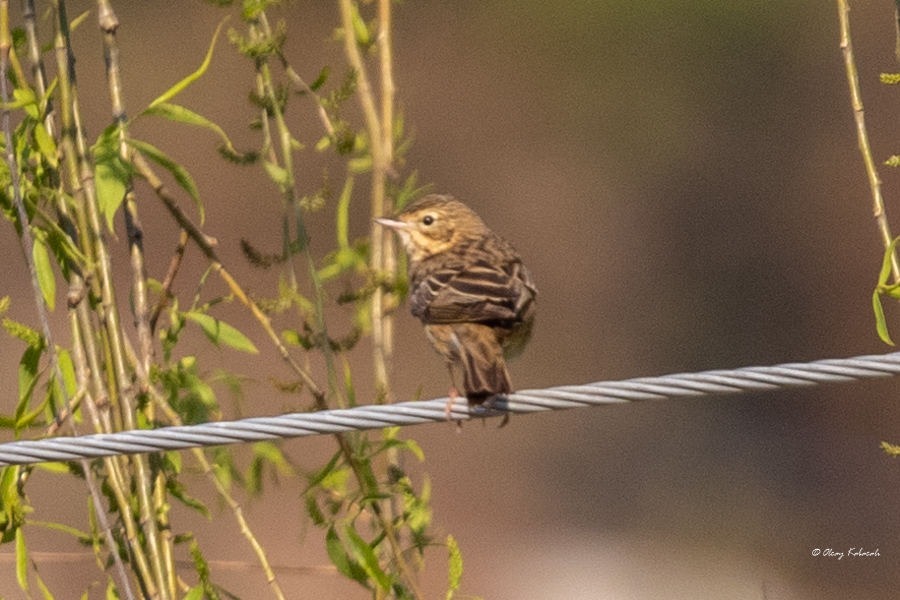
323	114
171	274
382	138
289	203
205	243
379	168
37	63
366	97
863	137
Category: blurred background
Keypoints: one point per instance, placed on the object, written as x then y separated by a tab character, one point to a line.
683	180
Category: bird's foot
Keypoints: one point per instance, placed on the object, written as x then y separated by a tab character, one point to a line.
453	395
497	403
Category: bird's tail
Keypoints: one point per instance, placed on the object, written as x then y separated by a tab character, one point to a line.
484	370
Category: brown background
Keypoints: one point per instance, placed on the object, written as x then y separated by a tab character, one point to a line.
683	181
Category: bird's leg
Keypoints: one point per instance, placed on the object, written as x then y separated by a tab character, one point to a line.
491	405
453	396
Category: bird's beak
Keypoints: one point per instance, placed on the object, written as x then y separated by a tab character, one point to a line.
392	224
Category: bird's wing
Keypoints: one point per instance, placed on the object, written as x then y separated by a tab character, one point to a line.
479	293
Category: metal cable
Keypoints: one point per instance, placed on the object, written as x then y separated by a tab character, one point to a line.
706	383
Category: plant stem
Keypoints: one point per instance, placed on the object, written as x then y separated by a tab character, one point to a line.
380	130
5	43
863	136
109	24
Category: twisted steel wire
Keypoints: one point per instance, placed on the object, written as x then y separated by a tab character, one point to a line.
256	429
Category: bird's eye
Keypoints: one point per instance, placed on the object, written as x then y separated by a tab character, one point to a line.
427	220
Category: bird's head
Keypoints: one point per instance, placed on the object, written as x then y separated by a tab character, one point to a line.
435	224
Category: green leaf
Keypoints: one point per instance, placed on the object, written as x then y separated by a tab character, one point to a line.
321	79
28	379
26	99
323	144
886	263
24	333
22	97
68	372
180	114
367	558
45	144
273	454
286	292
202	569
195	593
343	215
389	434
182	177
25	419
68	530
62	245
399	124
73	25
224	473
292	337
4	304
56	468
336	480
46	278
410	445
315	513
884	288
179	491
340	559
360	165
891	449
348	382
181	85
316	477
111	174
276	173
880	323
173	461
219	331
21	560
9	492
360	30
456	566
45	592
410	191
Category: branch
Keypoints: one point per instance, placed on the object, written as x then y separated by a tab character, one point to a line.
863	136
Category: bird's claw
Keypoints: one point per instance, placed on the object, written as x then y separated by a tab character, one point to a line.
453	395
494	405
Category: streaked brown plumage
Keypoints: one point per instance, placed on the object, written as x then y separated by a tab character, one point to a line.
470	289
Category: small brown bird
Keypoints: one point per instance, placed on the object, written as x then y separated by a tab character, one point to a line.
471	291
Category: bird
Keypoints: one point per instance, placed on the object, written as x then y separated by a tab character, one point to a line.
471	291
